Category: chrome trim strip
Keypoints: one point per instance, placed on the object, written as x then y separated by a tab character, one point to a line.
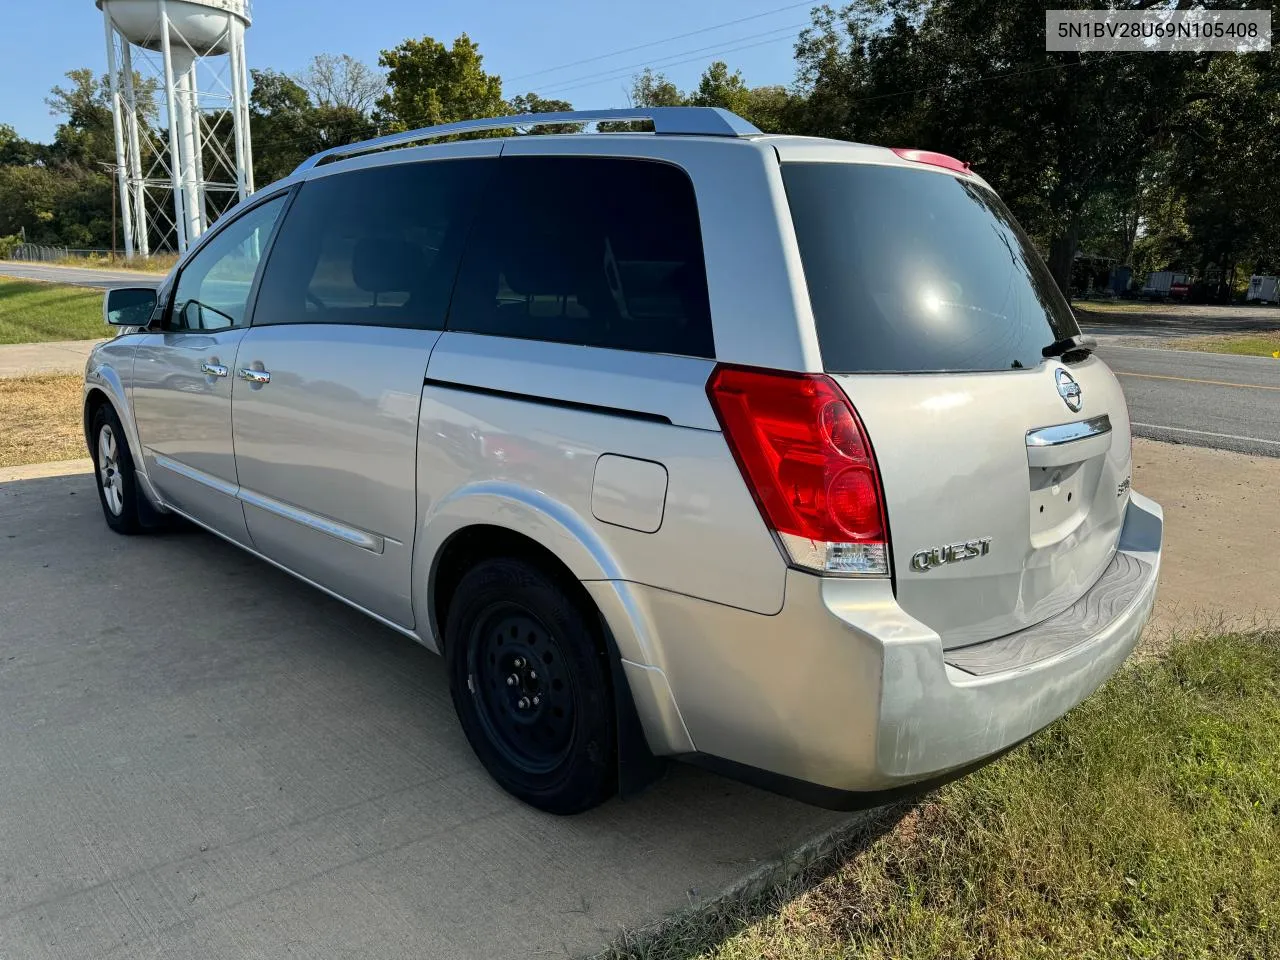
1061	433
199	476
339	531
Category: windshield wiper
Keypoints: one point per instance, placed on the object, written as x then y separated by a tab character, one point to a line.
1070	348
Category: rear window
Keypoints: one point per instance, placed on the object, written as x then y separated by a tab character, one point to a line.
913	271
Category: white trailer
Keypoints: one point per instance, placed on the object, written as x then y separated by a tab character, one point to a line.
1263	289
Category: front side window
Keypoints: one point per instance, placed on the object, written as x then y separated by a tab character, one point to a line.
598	251
213	288
375	247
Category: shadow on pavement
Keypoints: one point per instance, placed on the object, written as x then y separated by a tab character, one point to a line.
204	757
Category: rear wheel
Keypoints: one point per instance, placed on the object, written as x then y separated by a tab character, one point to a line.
530	684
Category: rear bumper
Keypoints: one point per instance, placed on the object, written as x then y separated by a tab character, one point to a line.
845	700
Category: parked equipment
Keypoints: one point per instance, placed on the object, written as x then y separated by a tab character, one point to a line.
1263	290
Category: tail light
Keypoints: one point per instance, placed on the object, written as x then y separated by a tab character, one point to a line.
806	459
932	158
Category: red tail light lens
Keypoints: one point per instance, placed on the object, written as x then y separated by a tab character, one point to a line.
805	456
932	158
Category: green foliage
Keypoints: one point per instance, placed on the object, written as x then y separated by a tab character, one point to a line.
32	312
429	84
287	125
1146	823
772	109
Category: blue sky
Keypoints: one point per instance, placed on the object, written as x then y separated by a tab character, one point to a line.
40	41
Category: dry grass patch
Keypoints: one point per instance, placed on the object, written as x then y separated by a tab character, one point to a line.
1240	344
40	420
156	263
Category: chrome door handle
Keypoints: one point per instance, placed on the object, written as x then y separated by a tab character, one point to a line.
213	369
255	376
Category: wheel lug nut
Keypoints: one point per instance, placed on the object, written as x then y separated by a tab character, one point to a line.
536	700
533	674
519	662
523	703
512	680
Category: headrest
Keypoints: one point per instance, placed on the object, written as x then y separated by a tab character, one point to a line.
383	264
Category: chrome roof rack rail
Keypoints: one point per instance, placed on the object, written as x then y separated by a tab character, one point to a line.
693	121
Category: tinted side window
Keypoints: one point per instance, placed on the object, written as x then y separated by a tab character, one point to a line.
378	246
590	250
213	288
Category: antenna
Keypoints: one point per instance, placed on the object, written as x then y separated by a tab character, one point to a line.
190	154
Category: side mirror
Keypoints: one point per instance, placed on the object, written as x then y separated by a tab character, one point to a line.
129	306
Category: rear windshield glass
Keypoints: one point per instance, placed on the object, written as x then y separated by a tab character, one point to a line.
912	270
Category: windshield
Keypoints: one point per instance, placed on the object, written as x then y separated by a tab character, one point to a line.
912	270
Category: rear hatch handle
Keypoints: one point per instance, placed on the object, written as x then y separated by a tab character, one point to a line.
1066	443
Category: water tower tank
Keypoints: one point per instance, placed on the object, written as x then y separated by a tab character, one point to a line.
203	77
200	23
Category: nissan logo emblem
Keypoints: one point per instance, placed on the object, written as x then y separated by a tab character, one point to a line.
1069	390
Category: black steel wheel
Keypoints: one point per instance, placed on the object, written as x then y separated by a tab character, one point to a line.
530	684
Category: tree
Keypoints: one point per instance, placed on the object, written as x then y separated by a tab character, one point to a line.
651	89
429	83
342	81
971	78
287	126
532	103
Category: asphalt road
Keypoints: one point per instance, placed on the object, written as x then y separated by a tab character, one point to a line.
203	757
1205	399
78	276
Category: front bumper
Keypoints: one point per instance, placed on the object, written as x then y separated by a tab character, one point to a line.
844	699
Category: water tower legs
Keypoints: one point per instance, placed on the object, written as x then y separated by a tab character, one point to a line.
141	227
175	134
122	179
188	122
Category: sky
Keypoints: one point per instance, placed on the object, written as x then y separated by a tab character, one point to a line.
566	49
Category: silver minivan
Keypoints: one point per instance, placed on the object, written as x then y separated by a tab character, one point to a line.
778	455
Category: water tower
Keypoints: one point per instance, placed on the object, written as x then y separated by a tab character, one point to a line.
189	155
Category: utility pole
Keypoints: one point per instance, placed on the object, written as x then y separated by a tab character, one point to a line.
113	169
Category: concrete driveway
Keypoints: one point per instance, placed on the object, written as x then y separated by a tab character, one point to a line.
202	757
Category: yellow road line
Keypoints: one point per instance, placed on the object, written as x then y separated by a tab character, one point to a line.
1216	383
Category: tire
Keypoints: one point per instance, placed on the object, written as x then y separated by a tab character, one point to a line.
117	481
530	683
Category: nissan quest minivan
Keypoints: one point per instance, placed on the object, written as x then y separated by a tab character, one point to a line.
778	455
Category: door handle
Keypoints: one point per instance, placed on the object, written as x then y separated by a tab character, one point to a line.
213	369
255	376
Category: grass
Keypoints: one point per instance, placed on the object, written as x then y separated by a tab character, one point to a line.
34	312
40	420
156	263
1244	344
1144	824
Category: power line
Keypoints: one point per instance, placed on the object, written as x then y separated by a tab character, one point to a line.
591	79
654	43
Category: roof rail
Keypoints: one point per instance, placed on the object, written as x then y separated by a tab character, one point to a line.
698	121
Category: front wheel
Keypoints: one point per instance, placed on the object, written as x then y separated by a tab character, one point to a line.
113	463
530	684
